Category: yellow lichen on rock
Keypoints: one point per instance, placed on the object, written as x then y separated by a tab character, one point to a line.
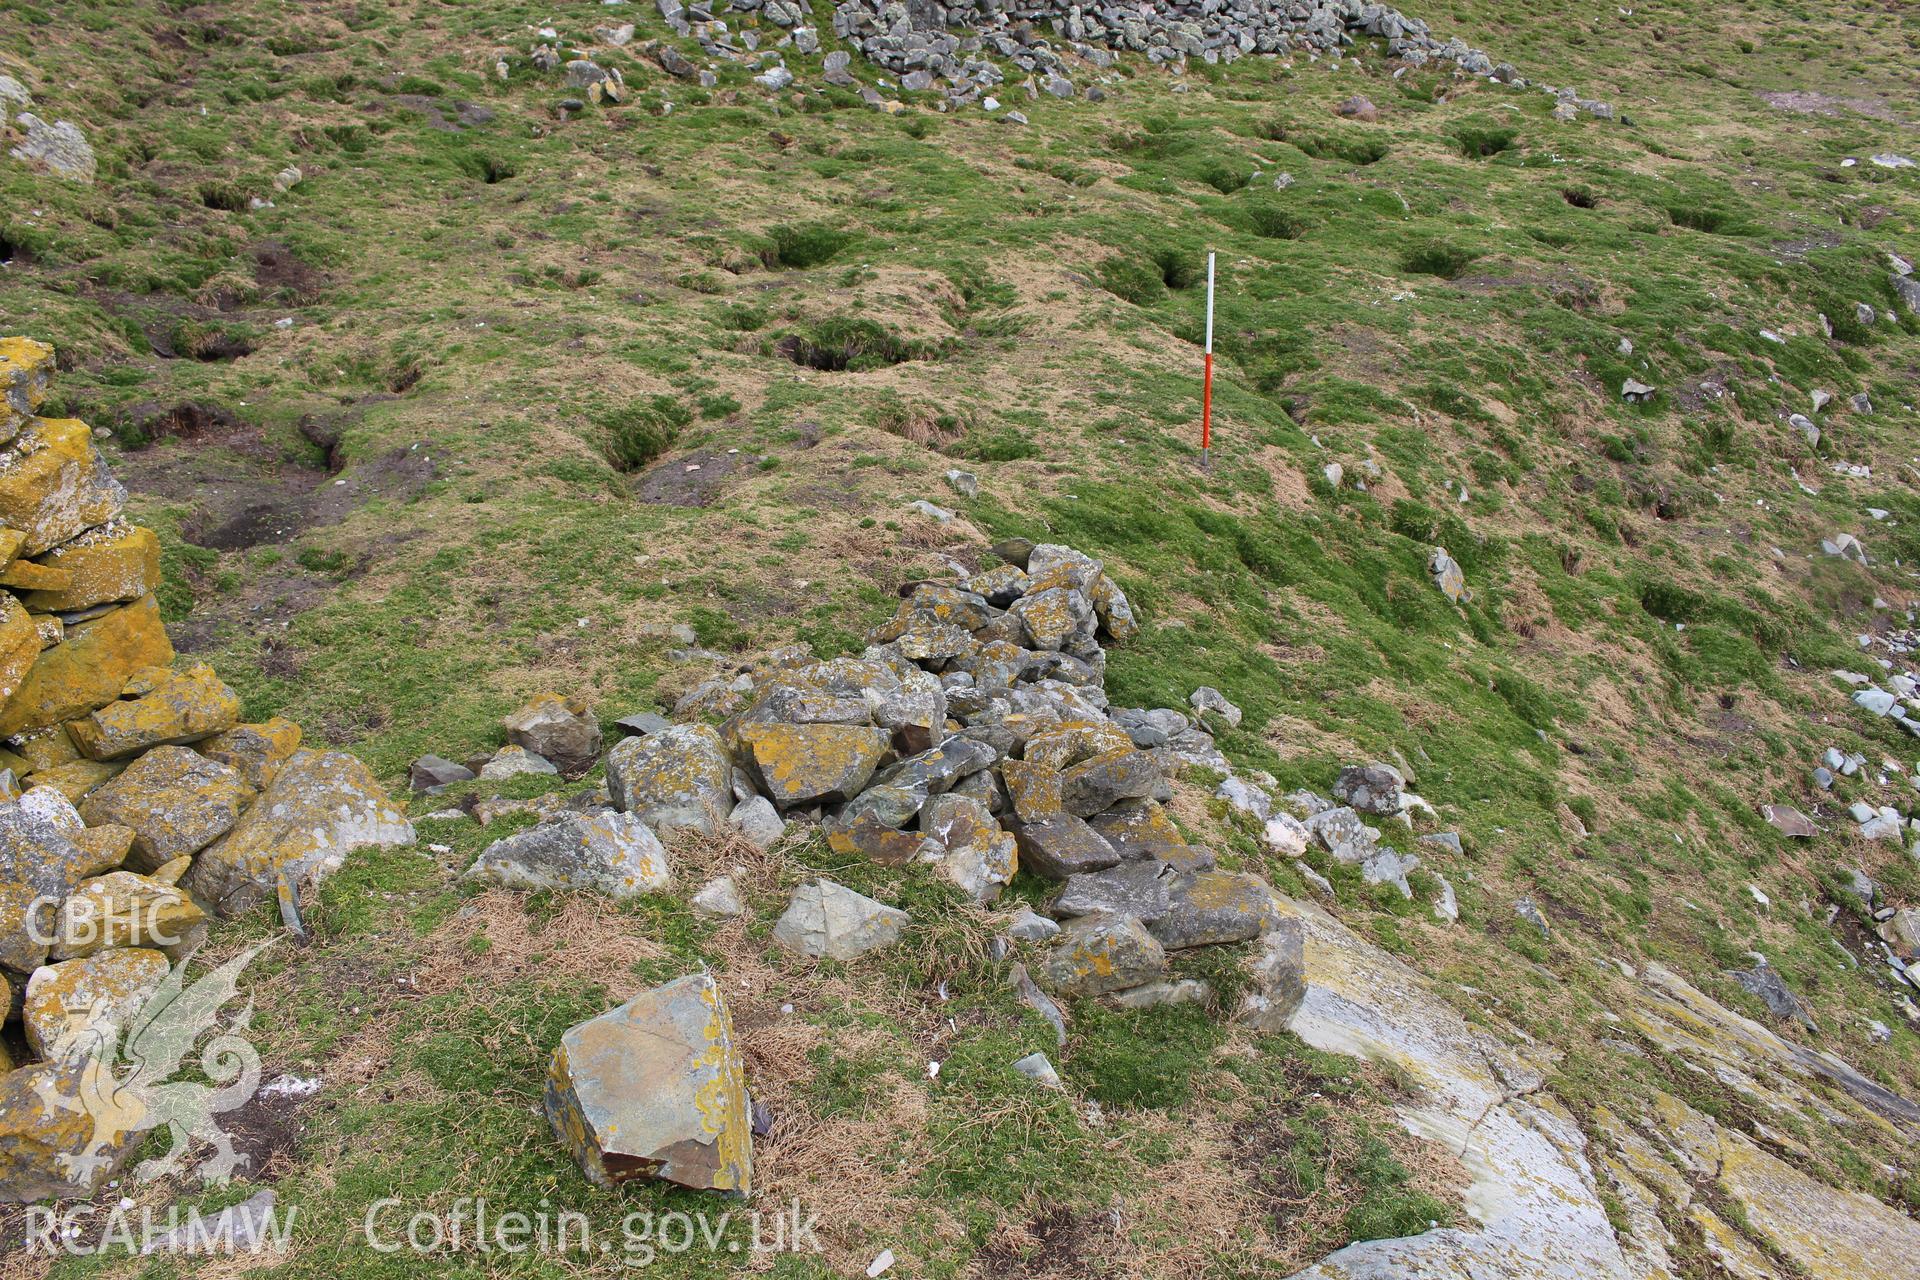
90	668
158	707
19	646
115	562
256	750
53	485
26	367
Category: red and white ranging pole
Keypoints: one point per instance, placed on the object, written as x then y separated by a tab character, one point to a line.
1206	391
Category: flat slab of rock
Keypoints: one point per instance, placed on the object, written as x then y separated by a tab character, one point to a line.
155	708
1142	889
612	852
677	779
829	920
320	807
1534	1207
655	1089
1789	821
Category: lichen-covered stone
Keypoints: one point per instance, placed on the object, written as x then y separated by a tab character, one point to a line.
20	646
108	844
158	707
1035	789
26	368
46	748
256	750
53	485
1063	846
49	1150
39	868
1138	829
23	576
117	561
678	779
90	668
1051	618
974	853
127	909
825	919
656	1089
1093	785
1075	741
76	778
176	800
796	764
109	987
1215	907
612	852
562	730
1094	955
868	837
320	806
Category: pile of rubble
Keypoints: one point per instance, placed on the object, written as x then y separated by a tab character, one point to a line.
969	50
923	42
972	738
134	803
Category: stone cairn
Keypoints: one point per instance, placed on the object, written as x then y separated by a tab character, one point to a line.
134	804
972	737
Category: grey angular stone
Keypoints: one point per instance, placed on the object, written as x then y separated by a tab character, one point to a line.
656	1089
432	774
1096	955
1214	907
1141	889
557	730
826	919
615	853
718	899
1062	846
758	821
679	778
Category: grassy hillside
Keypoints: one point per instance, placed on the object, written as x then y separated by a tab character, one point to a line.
422	437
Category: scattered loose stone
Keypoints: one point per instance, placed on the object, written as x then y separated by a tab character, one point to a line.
556	729
612	852
431	775
656	1089
828	920
512	762
719	899
1037	1068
